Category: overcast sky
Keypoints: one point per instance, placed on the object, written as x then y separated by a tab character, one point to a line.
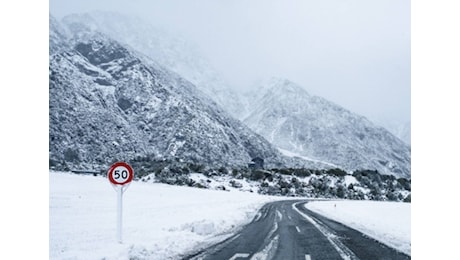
355	53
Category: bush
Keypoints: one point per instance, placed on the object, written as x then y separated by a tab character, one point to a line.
257	175
199	185
405	183
337	172
223	170
286	171
408	198
341	191
235	184
302	172
295	182
392	196
199	168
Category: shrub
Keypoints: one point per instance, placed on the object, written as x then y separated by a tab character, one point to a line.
302	172
408	198
336	172
257	175
405	183
235	184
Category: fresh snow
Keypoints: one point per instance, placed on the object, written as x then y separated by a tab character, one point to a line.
219	182
323	132
166	222
292	154
159	221
350	180
387	222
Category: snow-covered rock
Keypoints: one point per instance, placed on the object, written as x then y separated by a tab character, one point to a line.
167	49
109	102
313	127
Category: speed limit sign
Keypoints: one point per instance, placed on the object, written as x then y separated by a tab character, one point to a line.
120	173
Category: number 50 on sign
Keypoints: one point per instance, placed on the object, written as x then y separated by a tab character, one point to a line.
120	173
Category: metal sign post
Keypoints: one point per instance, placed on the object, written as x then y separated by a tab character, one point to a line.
119	212
120	175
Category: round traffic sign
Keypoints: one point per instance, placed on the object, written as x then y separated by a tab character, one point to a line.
120	173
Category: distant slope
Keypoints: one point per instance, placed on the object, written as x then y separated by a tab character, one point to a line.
402	130
310	126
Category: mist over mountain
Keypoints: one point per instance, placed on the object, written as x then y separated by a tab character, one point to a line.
310	126
121	88
402	130
171	51
109	102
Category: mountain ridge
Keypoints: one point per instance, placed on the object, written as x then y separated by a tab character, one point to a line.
105	74
108	102
314	127
168	50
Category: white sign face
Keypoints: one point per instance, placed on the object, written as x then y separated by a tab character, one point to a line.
120	173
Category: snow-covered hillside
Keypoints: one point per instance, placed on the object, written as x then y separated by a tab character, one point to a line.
120	85
109	102
171	51
310	126
161	221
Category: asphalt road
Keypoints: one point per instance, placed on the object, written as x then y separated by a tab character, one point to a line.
286	230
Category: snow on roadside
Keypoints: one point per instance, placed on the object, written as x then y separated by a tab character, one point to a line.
217	182
387	222
291	154
159	221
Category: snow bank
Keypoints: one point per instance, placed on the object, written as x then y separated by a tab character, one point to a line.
387	222
216	182
159	221
163	222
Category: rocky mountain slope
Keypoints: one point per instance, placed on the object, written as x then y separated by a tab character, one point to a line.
121	89
312	127
171	51
108	102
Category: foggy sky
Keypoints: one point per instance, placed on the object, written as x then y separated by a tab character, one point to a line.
355	53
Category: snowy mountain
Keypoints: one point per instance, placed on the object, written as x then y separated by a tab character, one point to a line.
312	127
108	102
171	51
121	87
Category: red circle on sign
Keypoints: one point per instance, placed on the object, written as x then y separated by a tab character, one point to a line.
120	173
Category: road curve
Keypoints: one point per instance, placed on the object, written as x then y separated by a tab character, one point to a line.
287	230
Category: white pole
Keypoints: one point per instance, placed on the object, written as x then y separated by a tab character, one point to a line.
120	209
